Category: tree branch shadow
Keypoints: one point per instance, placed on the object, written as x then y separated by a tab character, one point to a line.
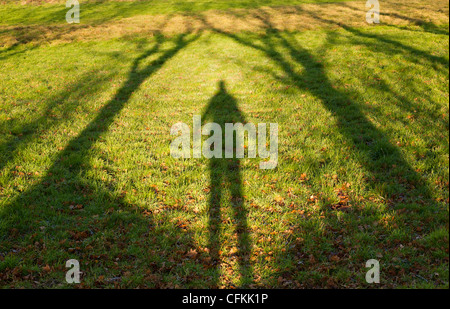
387	170
65	184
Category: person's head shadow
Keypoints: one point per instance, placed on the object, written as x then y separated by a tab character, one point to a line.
226	195
223	108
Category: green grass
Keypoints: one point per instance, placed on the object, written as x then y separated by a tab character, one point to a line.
99	12
86	173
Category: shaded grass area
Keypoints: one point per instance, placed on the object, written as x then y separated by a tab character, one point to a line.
85	170
102	11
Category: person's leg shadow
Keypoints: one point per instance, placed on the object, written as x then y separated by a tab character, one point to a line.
222	108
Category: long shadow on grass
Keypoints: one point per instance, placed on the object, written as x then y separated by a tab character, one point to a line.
387	171
68	209
226	173
65	103
395	47
378	43
367	139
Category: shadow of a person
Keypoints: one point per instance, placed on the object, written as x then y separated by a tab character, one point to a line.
226	173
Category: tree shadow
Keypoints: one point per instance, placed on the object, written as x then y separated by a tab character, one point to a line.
54	213
375	42
386	170
65	102
373	146
226	174
395	47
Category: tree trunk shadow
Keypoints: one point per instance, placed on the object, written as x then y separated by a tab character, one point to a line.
387	170
47	202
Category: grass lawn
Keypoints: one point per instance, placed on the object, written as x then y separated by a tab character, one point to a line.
86	171
50	12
